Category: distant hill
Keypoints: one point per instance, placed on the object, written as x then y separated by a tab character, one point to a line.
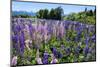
16	13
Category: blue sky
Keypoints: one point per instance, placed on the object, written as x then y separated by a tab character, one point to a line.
34	7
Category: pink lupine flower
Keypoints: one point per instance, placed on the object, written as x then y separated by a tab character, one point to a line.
39	27
45	31
54	30
62	30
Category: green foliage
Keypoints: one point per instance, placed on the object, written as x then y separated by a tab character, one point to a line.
71	16
87	16
52	14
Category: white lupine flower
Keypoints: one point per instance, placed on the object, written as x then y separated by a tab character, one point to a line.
39	61
27	43
54	60
14	60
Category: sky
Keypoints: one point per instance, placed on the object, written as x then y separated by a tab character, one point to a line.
34	7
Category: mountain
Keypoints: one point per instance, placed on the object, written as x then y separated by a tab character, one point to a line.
15	13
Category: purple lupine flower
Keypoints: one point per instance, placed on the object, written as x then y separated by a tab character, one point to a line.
45	58
67	50
78	37
59	55
30	29
15	38
93	38
14	61
22	42
86	50
49	29
56	53
87	40
17	28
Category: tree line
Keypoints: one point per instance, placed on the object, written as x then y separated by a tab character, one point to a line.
54	13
